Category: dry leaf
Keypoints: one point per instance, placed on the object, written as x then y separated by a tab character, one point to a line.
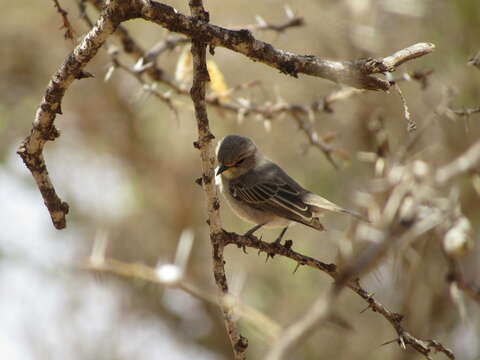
217	81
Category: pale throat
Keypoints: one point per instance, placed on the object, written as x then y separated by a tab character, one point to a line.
229	174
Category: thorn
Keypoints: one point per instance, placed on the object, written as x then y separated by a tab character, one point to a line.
269	255
196	145
389	342
296	268
368	307
211	49
59	109
83	75
199	181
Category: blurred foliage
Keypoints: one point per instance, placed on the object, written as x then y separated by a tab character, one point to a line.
127	166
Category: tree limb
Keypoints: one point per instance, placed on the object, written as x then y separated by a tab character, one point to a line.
200	79
357	73
424	347
31	149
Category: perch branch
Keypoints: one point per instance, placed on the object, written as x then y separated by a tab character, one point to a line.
198	90
424	347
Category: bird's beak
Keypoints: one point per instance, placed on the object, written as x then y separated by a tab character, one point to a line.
221	169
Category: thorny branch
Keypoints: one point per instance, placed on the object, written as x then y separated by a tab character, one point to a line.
200	79
358	73
69	32
31	149
424	347
302	114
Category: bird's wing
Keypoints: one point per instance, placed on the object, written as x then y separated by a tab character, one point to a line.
278	197
319	204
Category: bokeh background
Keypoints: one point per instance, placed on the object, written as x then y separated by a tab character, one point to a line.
126	166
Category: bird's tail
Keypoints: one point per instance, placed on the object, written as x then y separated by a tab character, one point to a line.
320	205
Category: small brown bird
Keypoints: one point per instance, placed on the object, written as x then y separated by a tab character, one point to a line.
259	191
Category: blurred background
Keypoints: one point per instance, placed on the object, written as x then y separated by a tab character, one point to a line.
126	165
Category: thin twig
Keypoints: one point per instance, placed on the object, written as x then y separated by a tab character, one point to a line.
411	124
466	112
69	32
262	25
256	319
293	334
356	73
465	162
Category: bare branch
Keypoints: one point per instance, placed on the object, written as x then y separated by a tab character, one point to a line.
31	149
465	162
69	32
167	45
422	346
466	112
258	320
390	63
268	110
262	25
200	79
292	335
356	73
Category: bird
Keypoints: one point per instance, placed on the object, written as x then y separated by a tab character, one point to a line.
261	192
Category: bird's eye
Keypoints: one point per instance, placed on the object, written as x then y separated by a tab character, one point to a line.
239	162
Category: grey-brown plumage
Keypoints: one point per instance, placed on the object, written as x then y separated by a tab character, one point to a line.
259	191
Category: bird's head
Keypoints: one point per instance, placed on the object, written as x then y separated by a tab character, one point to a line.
235	155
